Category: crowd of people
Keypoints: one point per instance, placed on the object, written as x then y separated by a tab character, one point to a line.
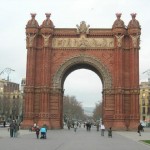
75	125
41	132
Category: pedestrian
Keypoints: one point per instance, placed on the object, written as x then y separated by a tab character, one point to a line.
43	133
110	132
11	128
88	126
102	129
97	126
4	124
16	129
75	126
37	130
140	128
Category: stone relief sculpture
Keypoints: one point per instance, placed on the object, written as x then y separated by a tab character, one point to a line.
119	40
135	40
46	39
83	28
30	39
83	42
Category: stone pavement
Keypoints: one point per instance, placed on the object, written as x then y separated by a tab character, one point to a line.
70	140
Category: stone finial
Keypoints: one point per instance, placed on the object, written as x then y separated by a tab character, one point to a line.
48	15
32	22
118	15
33	15
118	22
47	22
133	15
134	23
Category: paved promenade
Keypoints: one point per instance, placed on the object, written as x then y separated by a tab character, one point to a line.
70	140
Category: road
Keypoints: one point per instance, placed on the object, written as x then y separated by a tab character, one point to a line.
69	140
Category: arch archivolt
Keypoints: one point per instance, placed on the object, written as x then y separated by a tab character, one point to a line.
98	66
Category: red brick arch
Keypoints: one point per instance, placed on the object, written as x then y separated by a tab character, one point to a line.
82	61
53	53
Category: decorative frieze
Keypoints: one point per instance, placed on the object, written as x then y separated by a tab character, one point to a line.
83	42
45	115
121	91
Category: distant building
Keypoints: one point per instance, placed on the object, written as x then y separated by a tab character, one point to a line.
145	101
11	100
23	83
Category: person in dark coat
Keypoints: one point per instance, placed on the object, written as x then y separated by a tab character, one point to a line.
4	124
11	128
37	130
16	129
110	132
140	128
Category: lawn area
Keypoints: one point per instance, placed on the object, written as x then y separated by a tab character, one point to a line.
146	141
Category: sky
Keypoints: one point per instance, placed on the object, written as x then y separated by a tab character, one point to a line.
66	14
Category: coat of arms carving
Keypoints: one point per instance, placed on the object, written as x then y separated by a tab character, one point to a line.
83	28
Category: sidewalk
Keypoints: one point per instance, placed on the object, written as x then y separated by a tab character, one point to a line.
4	133
69	140
133	135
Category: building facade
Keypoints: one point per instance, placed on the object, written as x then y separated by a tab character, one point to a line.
145	102
11	100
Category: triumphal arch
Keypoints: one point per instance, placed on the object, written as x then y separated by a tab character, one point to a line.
53	53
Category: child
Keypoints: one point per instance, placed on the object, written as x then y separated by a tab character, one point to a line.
110	132
43	132
37	130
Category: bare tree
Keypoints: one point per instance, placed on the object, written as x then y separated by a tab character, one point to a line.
10	108
97	113
72	108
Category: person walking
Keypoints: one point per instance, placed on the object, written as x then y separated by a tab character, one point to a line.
4	124
97	126
75	126
16	129
140	128
11	128
110	132
43	133
102	129
37	131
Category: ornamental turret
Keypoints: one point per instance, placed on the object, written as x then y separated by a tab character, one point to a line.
134	30
31	31
119	29
47	29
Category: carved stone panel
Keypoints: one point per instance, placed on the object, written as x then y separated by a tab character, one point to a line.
103	43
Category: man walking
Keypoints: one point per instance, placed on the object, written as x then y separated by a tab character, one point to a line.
11	128
102	129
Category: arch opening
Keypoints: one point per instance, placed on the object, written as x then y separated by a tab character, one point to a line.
85	62
84	84
82	95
